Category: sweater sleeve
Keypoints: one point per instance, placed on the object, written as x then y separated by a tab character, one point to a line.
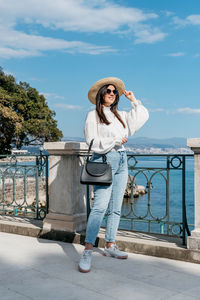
101	144
137	117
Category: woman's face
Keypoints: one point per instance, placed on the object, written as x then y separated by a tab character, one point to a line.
109	98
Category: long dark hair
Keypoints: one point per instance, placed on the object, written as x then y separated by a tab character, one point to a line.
99	106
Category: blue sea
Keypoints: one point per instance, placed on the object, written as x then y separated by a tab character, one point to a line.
158	190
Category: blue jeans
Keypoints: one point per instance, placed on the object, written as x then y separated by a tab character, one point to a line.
108	198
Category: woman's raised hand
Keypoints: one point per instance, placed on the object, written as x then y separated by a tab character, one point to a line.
129	95
124	140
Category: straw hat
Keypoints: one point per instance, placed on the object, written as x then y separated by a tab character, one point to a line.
118	83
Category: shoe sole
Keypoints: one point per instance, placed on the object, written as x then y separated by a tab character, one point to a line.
118	257
83	271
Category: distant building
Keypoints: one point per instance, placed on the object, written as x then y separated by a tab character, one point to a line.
17	151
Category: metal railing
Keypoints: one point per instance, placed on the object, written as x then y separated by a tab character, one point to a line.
24	185
161	207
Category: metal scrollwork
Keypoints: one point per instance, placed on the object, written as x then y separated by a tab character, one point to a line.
132	162
24	192
142	209
175	162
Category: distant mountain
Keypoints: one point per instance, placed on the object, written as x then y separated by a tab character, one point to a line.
145	141
73	139
137	145
142	145
173	142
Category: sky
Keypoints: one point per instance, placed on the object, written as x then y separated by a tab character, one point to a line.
62	47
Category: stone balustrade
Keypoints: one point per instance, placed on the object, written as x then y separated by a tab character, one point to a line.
193	242
67	197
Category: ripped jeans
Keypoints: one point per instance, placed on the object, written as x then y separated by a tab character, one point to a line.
108	198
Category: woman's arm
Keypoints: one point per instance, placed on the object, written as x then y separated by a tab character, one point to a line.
138	115
101	144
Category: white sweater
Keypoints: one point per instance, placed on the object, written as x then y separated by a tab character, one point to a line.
107	137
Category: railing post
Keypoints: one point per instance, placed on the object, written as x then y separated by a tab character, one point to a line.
47	181
184	218
168	195
193	241
67	197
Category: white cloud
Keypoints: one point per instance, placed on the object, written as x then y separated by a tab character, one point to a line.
146	34
183	110
18	44
189	20
6	52
52	96
89	16
179	22
176	54
73	15
168	13
188	110
194	19
156	109
9	72
64	106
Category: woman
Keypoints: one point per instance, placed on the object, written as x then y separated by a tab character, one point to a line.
109	128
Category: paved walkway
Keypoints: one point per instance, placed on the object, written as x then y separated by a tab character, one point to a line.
32	268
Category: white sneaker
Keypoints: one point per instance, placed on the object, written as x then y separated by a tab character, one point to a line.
115	252
85	261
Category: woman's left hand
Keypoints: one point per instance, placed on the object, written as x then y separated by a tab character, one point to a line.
124	140
129	95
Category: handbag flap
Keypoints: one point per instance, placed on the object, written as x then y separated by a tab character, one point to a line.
96	168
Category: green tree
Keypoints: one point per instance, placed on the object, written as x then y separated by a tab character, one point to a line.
25	117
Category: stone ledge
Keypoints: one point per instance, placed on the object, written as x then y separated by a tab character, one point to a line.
22	226
133	242
193	142
66	148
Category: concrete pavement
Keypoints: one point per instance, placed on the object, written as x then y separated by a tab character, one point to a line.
32	268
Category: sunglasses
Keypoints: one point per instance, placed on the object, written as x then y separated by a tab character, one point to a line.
108	91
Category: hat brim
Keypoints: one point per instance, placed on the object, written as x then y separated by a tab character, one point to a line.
118	83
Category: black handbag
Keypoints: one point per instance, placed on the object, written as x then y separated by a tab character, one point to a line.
96	173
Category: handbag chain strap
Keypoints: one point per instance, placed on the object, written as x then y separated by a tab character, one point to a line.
88	153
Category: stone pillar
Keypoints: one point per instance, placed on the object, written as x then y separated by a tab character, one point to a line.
67	197
193	241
